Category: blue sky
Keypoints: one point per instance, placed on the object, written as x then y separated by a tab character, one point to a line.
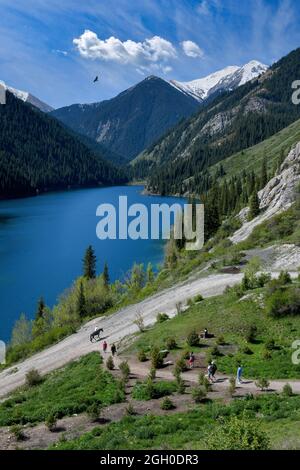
54	48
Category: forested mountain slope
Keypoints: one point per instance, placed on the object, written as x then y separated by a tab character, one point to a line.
38	154
231	123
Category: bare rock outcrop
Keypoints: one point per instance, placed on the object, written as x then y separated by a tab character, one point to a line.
277	196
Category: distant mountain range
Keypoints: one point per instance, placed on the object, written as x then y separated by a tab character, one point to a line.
139	116
28	98
223	80
229	123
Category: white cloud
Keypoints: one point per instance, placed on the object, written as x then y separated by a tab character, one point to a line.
60	52
151	53
191	49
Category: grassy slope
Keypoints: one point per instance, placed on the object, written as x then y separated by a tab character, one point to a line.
189	430
229	316
271	149
65	392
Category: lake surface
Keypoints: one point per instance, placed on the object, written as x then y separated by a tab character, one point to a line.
43	240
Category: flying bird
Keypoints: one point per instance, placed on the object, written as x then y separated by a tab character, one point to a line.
96	79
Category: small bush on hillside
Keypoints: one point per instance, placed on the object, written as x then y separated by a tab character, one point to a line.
244	349
266	355
215	351
232	386
203	381
157	360
270	344
152	373
167	404
162	317
17	431
51	421
287	390
130	411
237	433
110	363
220	341
142	357
262	383
33	377
94	411
193	339
250	333
171	343
284	302
199	394
181	365
198	298
125	370
285	278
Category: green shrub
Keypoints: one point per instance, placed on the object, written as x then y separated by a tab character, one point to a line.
270	344
220	340
193	339
152	373
244	349
287	390
283	302
110	363
266	355
237	433
285	278
215	352
198	298
232	386
148	389
33	377
51	421
94	411
162	317
203	381
17	431
142	357
181	365
130	411
171	343
125	370
199	394
250	332
157	361
167	404
262	383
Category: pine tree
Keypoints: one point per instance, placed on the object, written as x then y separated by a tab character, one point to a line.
254	206
264	174
40	308
106	279
89	263
81	301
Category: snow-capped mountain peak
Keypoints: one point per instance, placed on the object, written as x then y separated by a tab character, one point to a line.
226	79
27	98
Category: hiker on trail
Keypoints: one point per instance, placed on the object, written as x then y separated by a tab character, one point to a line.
239	374
210	372
191	360
104	346
113	349
213	369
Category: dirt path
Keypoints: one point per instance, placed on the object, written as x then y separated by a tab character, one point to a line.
116	327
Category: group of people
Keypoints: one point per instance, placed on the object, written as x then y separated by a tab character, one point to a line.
113	348
212	369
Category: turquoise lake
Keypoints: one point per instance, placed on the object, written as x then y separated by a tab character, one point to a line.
42	243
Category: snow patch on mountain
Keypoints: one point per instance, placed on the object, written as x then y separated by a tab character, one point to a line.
223	80
27	98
